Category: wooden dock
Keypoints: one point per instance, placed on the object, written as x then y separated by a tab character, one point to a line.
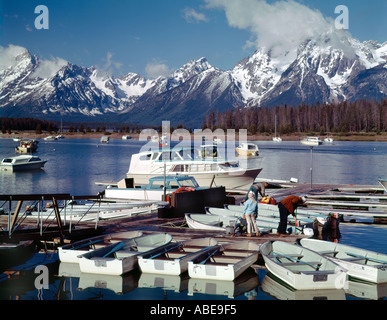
321	197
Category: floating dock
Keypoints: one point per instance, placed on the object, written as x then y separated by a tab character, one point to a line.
351	202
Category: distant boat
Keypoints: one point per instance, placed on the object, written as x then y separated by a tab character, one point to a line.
60	137
126	137
247	149
105	139
16	139
275	138
23	162
302	268
312	141
50	138
27	146
328	140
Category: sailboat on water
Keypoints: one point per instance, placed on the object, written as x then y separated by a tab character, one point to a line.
275	138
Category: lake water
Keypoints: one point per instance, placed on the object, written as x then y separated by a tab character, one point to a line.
74	165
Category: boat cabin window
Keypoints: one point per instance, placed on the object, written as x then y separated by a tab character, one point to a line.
145	157
157	185
251	147
7	160
188	183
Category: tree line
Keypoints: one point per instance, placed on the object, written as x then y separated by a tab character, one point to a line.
336	117
21	124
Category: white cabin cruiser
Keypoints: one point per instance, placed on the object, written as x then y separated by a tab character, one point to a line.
23	162
207	167
247	149
312	141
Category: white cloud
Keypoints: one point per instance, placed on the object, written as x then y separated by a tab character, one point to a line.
48	68
191	16
156	69
280	26
8	55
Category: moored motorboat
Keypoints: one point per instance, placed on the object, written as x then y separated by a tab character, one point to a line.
27	146
302	268
70	252
205	164
121	257
154	190
247	149
105	139
50	138
312	141
173	258
224	262
361	264
22	162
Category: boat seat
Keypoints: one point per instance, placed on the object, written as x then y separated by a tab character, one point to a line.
288	255
352	259
191	248
309	263
328	252
226	259
243	253
124	254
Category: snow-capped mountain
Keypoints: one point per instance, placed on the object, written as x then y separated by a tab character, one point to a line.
331	67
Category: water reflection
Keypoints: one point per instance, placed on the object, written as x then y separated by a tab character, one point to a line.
279	290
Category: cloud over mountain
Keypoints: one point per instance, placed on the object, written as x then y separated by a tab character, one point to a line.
280	26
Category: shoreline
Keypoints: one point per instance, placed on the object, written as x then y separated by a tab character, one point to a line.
257	137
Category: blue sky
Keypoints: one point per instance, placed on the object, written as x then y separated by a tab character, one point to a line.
157	36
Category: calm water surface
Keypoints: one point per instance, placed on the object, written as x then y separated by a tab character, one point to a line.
74	165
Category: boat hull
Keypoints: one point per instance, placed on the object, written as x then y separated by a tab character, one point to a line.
300	275
23	167
375	272
235	258
175	260
239	179
123	260
134	194
70	253
249	153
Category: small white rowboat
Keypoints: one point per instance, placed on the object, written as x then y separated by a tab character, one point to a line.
121	257
361	264
301	268
70	252
173	259
224	262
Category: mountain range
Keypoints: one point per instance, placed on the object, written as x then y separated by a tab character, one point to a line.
331	67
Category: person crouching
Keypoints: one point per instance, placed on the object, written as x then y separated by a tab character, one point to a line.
250	211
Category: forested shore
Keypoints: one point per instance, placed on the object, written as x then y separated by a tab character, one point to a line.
344	117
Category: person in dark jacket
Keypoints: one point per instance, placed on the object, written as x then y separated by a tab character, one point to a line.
287	206
257	187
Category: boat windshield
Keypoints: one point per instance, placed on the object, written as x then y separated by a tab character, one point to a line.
7	160
188	183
